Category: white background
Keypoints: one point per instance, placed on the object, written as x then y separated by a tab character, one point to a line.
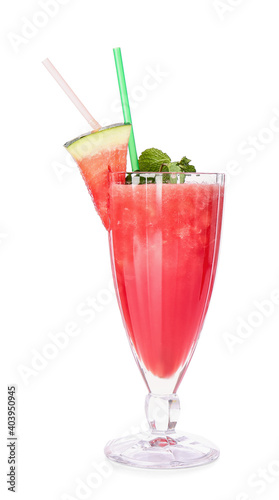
217	90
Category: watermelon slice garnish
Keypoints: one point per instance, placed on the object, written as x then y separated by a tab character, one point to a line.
96	153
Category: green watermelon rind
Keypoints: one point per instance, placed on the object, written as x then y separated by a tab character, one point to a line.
92	143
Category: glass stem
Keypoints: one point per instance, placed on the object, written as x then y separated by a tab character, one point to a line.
162	412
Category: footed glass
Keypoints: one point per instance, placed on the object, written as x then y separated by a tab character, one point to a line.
164	241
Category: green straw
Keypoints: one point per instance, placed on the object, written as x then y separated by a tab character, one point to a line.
125	106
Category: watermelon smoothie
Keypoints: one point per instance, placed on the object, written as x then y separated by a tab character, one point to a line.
164	233
164	240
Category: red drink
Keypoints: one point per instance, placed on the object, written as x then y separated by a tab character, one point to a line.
164	246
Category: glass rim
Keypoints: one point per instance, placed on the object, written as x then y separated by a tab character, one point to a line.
164	173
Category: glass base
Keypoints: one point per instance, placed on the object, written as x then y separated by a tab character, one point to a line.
154	450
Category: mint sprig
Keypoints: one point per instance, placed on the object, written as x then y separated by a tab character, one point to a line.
154	160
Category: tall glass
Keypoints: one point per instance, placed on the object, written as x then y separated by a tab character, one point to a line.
164	241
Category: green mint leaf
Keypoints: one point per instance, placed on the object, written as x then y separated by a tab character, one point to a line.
184	161
164	167
185	165
174	166
128	179
152	159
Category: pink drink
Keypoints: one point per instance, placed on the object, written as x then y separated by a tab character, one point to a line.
164	245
